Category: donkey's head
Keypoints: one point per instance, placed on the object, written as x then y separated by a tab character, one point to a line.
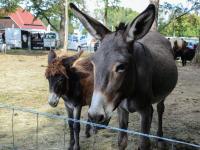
113	62
57	73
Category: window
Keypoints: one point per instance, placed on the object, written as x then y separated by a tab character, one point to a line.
1	26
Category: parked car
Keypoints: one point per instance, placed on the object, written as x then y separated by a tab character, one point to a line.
84	42
73	42
192	45
13	37
37	41
51	40
87	42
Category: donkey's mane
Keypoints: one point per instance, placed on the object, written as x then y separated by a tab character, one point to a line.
82	65
121	26
56	67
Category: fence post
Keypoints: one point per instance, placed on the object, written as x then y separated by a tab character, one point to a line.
65	128
172	146
13	136
37	126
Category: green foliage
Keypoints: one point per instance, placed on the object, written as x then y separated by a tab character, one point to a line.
8	6
188	25
182	21
121	14
117	15
50	11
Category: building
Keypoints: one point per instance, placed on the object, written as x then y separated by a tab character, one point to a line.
22	19
21	29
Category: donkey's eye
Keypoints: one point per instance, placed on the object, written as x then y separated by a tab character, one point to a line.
120	68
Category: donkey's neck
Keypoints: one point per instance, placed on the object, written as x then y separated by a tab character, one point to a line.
74	87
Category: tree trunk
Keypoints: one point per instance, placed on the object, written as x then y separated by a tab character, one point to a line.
66	26
106	13
62	30
155	24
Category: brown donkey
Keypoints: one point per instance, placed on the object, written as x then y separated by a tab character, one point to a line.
133	69
70	78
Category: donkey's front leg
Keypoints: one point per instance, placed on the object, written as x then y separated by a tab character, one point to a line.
146	118
123	116
77	114
71	124
160	109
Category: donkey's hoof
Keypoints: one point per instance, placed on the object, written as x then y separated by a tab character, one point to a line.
161	145
144	148
122	147
87	134
76	147
139	148
95	130
70	148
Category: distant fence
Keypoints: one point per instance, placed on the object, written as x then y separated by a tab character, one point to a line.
172	142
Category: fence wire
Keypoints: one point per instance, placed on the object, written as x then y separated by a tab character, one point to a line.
96	139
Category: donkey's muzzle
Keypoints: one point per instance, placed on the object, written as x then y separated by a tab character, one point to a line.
53	100
99	119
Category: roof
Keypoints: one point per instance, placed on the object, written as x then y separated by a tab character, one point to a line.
26	20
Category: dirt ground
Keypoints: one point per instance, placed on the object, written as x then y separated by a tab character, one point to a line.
22	83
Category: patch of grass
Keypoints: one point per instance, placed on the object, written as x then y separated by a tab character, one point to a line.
22	77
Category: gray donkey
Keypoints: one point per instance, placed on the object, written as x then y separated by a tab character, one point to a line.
133	69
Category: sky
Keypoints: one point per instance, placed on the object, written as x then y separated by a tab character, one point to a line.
140	5
136	5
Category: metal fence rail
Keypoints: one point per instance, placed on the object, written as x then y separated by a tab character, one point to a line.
48	115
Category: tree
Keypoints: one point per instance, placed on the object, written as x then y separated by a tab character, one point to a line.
107	4
116	15
155	23
8	6
178	11
188	25
53	12
66	25
120	14
50	12
182	21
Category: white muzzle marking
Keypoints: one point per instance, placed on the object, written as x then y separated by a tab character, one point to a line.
100	105
53	99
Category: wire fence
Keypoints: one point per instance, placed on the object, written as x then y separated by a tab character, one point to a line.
96	141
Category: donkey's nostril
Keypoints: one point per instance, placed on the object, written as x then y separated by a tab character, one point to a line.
100	118
97	118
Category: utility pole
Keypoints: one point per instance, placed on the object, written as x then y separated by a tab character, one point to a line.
66	27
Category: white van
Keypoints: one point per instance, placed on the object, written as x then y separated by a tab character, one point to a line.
13	37
51	40
87	42
73	42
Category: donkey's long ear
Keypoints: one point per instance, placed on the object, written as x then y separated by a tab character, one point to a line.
70	60
51	56
95	28
141	25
